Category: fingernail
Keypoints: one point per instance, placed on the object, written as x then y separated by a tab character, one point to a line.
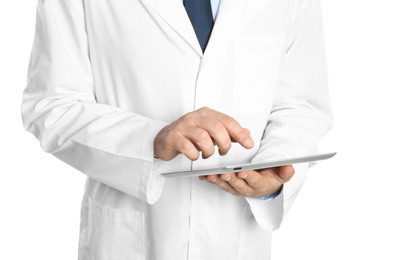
228	179
214	180
243	176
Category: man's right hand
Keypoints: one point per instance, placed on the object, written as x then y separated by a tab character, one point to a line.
199	131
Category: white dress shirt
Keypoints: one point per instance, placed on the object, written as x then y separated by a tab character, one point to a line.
215	6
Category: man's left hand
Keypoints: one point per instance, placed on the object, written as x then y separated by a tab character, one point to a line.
253	183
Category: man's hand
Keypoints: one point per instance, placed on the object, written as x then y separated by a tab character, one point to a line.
200	131
253	183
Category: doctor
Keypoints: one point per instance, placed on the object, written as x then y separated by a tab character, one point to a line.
124	90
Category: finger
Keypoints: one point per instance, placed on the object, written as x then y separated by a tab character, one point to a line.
202	140
236	132
253	178
227	176
282	173
187	148
218	132
202	178
240	185
225	186
265	183
212	177
286	172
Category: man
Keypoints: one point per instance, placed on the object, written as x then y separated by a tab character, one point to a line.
125	90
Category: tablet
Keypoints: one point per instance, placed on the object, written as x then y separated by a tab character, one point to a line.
249	166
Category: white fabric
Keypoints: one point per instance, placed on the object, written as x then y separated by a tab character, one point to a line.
106	76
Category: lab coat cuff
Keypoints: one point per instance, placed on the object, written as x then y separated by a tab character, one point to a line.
152	182
268	214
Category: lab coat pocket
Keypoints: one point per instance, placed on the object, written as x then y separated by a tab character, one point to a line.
112	234
256	65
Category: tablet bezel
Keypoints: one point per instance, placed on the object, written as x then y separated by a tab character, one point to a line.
249	166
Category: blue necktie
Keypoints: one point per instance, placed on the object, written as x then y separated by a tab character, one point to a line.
200	14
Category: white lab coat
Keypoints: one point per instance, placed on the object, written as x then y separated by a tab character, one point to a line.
106	76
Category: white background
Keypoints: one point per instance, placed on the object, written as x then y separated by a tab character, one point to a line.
350	206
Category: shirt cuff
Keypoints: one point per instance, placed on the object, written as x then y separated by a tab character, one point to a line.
272	196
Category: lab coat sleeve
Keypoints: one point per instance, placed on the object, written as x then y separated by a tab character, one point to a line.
59	107
301	114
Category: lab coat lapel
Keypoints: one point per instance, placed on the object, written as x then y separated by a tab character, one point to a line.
226	24
174	13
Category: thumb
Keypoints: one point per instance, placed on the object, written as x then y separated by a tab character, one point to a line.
286	172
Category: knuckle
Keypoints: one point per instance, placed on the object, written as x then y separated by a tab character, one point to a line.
226	177
202	136
218	126
246	131
176	135
212	178
189	117
185	146
204	143
173	135
171	139
204	110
